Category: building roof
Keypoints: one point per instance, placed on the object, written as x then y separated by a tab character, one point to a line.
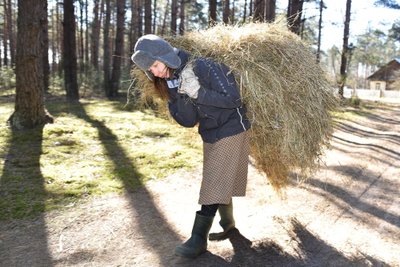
389	72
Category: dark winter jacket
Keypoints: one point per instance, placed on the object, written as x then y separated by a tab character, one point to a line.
218	108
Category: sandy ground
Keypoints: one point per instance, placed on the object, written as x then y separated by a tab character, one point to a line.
347	214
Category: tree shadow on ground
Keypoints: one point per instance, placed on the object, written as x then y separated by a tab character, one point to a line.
334	193
22	188
380	119
345	127
373	147
310	251
154	232
349	150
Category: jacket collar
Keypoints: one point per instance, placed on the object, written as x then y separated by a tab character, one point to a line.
184	56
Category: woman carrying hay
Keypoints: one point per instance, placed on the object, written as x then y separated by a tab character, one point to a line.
204	92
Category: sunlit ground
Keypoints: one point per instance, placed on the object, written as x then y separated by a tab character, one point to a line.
92	148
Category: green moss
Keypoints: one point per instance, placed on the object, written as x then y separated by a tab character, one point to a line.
94	147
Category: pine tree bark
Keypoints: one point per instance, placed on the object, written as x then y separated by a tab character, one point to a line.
135	18
294	14
270	10
321	8
174	16
147	17
81	38
69	53
139	12
119	49
345	49
182	17
29	101
10	31
259	6
232	12
5	36
45	49
54	46
164	24
1	62
106	48
154	16
86	32
95	36
244	12
226	12
212	12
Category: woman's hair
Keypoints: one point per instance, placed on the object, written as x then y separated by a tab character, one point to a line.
161	86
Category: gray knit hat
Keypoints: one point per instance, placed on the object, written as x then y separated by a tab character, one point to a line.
150	48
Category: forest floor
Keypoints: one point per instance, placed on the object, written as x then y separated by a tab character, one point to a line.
347	214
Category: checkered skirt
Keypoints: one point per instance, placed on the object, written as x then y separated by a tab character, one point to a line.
225	167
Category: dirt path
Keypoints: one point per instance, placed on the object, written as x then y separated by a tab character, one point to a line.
347	214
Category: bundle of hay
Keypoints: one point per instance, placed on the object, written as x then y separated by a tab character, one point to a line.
287	94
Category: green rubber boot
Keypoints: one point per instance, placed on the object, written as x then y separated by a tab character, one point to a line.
197	243
227	222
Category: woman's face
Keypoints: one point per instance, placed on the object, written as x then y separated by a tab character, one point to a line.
159	69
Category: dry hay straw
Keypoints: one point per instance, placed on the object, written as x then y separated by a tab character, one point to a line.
286	92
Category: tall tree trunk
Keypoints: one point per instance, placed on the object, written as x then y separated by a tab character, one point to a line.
106	48
226	11
132	24
294	13
154	16
60	43
119	49
81	38
69	54
5	35
232	16
212	12
244	12
86	32
53	42
345	49
1	63
140	17
10	32
29	101
147	16
135	20
182	17
270	10
95	38
164	24
174	16
259	7
321	8
45	50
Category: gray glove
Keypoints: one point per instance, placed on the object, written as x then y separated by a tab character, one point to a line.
189	83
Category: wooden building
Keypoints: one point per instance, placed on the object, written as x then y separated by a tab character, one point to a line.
387	77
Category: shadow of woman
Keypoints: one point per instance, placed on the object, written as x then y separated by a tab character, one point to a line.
310	251
22	190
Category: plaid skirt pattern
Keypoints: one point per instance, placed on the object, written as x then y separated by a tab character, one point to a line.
225	167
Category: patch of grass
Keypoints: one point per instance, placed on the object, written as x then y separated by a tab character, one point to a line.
94	147
363	108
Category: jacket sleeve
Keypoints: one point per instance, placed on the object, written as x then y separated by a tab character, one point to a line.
182	109
218	85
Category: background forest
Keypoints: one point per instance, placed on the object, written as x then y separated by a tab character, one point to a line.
87	44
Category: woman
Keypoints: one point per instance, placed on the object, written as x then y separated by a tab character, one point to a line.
201	91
